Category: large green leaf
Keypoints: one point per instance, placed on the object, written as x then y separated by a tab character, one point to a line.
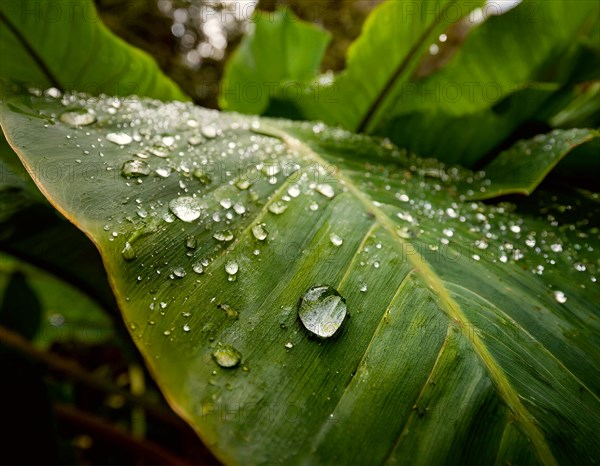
521	169
64	44
273	62
473	328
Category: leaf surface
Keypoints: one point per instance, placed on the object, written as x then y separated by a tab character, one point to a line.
467	341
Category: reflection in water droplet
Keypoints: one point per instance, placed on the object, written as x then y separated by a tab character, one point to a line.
227	356
78	117
119	138
185	208
335	239
135	168
322	310
260	232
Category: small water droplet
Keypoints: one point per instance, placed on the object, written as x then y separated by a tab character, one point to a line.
556	247
128	252
278	208
191	242
289	345
119	138
227	356
560	297
363	287
185	208
243	184
580	267
163	172
232	267
336	240
198	268
322	310
186	328
135	168
326	190
239	209
294	191
209	132
225	203
260	231
179	272
223	235
78	117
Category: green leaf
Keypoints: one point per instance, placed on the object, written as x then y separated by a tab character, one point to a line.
64	44
280	53
503	76
472	329
521	169
395	37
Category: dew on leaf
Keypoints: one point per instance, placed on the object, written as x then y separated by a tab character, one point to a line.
78	117
336	240
223	235
326	190
209	132
560	297
260	231
231	312
135	168
128	252
119	138
231	267
278	208
322	310
179	272
185	208
191	242
289	345
227	356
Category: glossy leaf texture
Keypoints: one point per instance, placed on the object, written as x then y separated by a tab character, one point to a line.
274	58
521	169
472	329
64	44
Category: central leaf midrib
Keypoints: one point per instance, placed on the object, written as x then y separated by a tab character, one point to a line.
447	303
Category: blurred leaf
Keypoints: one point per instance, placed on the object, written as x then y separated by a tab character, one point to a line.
521	169
583	110
273	61
63	44
473	330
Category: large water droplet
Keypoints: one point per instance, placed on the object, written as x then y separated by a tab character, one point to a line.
78	117
119	138
232	267
227	356
135	168
185	208
326	190
260	232
322	310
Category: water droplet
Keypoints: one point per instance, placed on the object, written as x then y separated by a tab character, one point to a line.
128	252
556	247
322	310
260	231
209	132
194	140
278	208
313	206
560	297
225	203
448	232
239	209
223	235
163	172
185	208
201	175
186	328
580	267
179	272
135	168
326	190
294	191
335	239
198	268
227	356
191	242
363	287
515	228
159	150
231	312
78	117
289	345
243	184
232	267
168	140
119	138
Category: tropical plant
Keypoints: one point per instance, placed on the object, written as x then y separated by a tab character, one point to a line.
312	291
